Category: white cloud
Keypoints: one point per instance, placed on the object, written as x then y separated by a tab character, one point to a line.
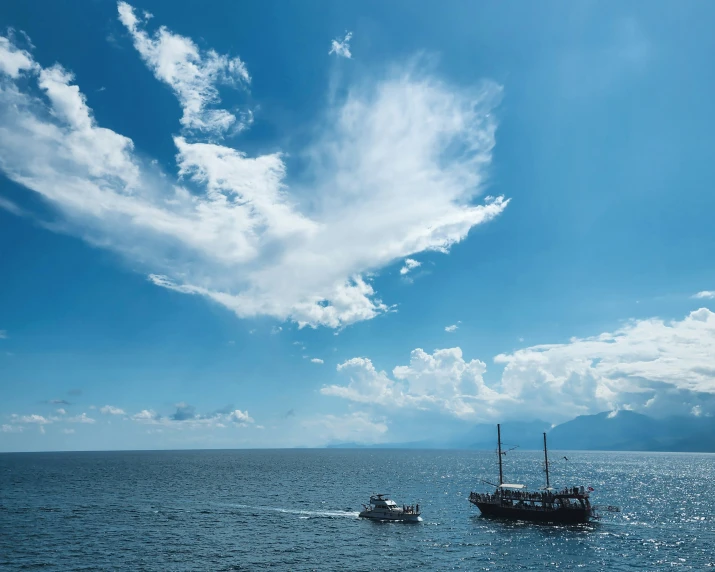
12	59
11	429
145	415
82	418
650	365
441	381
68	431
341	47
241	417
191	73
36	419
111	410
705	294
399	162
186	416
410	264
452	328
317	360
61	411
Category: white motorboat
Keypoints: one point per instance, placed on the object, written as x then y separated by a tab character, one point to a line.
382	508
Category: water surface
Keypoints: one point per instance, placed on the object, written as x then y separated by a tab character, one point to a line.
297	510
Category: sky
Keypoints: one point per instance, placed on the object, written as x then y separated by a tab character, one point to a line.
288	224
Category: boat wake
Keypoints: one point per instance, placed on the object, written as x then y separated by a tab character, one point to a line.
300	513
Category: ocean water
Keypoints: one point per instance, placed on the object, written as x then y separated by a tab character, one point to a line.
297	510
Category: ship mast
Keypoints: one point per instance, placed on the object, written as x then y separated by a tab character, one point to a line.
501	474
546	463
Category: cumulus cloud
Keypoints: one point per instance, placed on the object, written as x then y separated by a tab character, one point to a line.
146	415
111	410
452	328
191	73
61	411
710	294
317	360
410	264
651	366
241	417
341	47
441	381
398	161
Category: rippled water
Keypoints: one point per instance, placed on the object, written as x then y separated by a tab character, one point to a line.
297	510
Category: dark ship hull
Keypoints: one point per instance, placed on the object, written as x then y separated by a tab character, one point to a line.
556	515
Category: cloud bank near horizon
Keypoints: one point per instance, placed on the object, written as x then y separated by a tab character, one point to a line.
650	366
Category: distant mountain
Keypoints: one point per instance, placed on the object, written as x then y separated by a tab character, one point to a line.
629	431
608	431
524	434
527	435
406	445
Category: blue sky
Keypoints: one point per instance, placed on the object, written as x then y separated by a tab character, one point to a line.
291	224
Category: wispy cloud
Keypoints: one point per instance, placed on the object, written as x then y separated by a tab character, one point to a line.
316	360
229	227
341	47
11	207
191	73
705	294
3	334
82	418
11	428
410	264
452	328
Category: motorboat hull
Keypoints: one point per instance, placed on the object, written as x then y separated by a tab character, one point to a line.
556	516
400	517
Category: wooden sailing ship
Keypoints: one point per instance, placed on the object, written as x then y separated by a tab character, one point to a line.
513	501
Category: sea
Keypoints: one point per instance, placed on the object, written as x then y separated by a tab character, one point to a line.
298	510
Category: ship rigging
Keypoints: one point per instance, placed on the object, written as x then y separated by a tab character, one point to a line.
513	501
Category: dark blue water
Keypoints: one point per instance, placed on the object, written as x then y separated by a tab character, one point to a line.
297	510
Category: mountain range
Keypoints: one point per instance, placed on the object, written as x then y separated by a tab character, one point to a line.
620	430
